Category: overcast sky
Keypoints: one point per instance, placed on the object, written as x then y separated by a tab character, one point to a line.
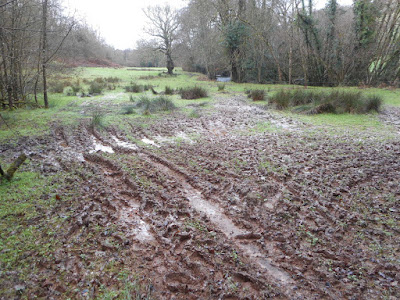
121	22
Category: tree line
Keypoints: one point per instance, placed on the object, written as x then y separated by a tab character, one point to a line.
264	41
290	41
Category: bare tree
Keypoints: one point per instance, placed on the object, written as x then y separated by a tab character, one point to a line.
163	26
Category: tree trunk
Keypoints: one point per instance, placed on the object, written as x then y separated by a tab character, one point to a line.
13	167
44	58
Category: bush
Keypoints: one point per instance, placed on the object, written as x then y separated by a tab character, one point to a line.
193	93
334	102
169	90
68	91
221	86
257	95
95	88
134	88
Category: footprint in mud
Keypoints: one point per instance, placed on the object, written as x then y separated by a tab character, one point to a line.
178	281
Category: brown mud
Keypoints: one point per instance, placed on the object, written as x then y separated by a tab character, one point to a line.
240	203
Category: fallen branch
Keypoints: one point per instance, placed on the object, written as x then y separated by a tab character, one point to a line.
13	167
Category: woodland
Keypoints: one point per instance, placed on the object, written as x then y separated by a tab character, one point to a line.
246	149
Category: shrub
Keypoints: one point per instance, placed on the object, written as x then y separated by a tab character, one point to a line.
221	86
95	88
257	95
169	90
193	93
134	88
68	91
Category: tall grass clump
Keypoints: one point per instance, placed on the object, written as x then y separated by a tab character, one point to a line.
151	105
374	103
257	95
168	90
111	79
193	93
133	87
221	87
96	87
97	120
68	91
128	110
339	102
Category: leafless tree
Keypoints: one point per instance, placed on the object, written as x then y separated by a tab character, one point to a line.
163	21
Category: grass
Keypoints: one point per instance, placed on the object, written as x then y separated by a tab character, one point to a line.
150	105
317	102
192	93
66	110
23	237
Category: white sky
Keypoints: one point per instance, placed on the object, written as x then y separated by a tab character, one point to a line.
121	22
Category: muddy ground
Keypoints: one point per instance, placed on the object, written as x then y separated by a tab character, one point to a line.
238	202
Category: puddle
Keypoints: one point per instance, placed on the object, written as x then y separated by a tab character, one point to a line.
143	232
271	203
213	212
123	144
150	142
100	147
137	228
173	139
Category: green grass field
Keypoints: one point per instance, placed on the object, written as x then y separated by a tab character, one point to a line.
68	109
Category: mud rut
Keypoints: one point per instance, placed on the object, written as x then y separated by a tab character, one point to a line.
157	224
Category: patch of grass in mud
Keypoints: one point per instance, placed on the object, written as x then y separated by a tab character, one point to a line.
27	234
333	124
262	127
130	288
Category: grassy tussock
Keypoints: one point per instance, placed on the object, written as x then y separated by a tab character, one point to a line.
151	105
339	102
193	93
